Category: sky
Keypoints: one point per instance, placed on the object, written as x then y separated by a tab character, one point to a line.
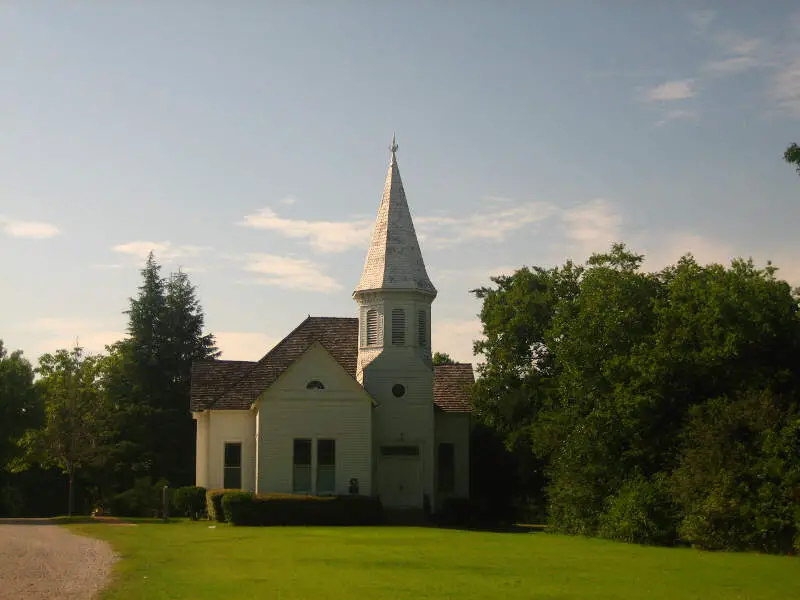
247	143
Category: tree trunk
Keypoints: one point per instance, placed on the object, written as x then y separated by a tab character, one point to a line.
71	494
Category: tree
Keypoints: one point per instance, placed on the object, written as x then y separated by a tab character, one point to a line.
19	404
76	425
20	410
592	372
792	156
149	376
442	358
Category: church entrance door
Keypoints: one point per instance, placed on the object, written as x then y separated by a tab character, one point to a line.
399	477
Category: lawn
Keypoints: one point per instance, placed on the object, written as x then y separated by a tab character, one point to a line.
192	560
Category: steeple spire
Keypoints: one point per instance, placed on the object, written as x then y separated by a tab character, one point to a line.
394	260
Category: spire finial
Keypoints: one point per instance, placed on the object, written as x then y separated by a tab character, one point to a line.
394	145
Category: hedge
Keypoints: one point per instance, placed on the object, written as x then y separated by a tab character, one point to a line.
190	501
214	504
245	508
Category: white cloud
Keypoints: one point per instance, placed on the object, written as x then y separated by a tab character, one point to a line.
671	90
165	251
785	91
242	345
677	115
37	230
324	236
489	225
662	249
290	273
455	337
731	66
288	201
63	332
593	226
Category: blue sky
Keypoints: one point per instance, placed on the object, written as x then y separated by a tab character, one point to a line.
247	143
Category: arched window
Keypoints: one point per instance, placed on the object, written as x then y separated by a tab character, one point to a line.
398	326
372	327
422	329
315	384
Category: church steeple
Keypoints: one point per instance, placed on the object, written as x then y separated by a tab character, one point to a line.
394	260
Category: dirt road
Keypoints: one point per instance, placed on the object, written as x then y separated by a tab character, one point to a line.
39	560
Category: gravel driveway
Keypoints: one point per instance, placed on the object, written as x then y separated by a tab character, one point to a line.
39	560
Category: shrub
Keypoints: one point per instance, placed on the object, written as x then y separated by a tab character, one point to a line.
245	508
455	512
214	504
190	501
144	499
640	513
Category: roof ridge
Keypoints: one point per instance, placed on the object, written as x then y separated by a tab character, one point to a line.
258	362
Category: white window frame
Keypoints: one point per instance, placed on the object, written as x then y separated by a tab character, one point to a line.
241	461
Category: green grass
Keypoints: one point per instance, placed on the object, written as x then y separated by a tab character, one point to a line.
190	560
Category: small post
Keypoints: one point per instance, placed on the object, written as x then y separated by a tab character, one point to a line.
165	502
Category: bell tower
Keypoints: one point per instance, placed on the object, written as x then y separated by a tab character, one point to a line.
394	297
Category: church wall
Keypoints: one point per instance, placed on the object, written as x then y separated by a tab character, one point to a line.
201	456
454	428
405	420
231	426
288	410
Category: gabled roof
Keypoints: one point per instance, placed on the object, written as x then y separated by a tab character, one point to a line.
451	387
394	260
235	385
339	336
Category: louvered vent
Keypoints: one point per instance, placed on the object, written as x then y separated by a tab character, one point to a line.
422	329
398	326
372	327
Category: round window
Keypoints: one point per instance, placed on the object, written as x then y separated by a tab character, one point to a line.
399	390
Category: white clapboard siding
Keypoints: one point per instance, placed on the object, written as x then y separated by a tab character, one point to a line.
341	411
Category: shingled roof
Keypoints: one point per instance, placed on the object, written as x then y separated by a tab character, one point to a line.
235	385
451	387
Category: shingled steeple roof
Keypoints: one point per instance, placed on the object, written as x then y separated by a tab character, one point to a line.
394	260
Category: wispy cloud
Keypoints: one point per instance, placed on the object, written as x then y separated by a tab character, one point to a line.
288	201
37	230
739	54
785	88
494	225
324	236
456	336
163	250
290	273
593	226
63	332
671	91
243	345
677	115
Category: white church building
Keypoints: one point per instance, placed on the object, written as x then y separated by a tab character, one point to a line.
346	405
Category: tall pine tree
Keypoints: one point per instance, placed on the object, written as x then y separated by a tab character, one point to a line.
151	376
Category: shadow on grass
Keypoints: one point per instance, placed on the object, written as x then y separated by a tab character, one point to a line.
515	528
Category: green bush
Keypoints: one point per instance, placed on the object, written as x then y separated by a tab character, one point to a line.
190	501
245	508
214	504
144	499
456	512
640	513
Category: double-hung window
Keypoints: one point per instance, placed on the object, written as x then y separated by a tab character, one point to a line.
232	471
326	466
301	475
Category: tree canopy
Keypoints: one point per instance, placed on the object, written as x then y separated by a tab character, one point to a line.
593	371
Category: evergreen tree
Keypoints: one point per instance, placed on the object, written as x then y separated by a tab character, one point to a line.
149	375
